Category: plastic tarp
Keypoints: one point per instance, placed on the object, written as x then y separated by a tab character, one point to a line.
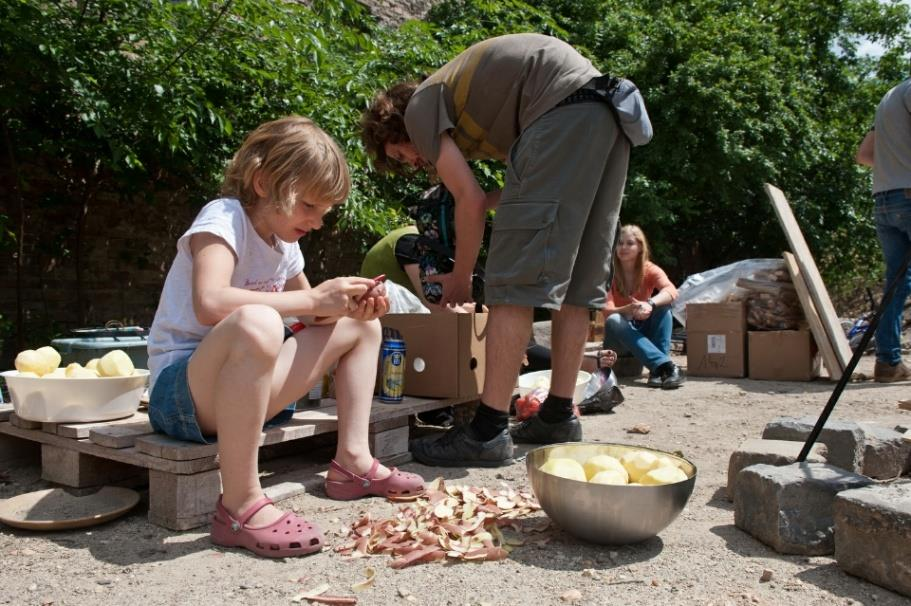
719	284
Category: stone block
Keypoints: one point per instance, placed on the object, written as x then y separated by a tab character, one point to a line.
789	508
770	452
886	453
843	439
873	535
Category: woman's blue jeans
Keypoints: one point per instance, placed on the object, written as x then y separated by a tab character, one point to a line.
892	217
648	340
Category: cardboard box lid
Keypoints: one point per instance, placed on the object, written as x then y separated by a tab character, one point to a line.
716	317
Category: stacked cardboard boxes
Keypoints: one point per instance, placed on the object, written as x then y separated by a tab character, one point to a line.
716	336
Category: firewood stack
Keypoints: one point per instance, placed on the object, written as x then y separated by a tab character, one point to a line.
771	301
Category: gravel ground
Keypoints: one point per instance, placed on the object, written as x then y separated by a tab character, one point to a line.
702	558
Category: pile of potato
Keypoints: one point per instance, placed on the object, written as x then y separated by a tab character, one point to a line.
598	465
45	362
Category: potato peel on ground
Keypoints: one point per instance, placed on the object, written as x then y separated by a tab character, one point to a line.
446	523
370	575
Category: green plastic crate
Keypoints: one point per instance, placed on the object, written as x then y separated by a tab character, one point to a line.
95	343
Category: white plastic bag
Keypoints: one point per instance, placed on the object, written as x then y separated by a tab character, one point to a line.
719	284
403	301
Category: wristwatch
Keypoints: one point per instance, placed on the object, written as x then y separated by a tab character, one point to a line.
652	303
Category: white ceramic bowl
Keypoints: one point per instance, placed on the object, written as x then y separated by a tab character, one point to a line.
529	381
64	400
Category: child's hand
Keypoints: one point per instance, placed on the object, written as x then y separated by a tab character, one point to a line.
339	296
607	358
371	307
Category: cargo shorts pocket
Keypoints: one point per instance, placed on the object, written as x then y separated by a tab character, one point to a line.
520	244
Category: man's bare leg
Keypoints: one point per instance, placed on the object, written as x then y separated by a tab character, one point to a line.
555	422
569	329
485	442
508	333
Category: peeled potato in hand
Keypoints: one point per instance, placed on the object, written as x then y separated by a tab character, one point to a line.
115	364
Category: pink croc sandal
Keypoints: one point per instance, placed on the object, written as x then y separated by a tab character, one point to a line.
290	535
399	484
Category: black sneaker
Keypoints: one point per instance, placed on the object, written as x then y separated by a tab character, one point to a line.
673	379
655	379
536	431
457	448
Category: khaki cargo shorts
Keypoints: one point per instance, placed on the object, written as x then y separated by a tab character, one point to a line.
554	228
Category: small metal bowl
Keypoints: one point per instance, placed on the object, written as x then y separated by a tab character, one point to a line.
608	514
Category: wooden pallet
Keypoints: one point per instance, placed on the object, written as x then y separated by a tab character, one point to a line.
183	477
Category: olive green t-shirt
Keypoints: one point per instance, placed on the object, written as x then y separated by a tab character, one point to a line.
380	259
491	92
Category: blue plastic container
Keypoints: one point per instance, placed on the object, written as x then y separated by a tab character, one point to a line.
91	343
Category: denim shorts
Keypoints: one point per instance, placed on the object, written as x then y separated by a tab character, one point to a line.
171	408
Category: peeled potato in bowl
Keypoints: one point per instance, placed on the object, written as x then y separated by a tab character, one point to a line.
115	363
42	361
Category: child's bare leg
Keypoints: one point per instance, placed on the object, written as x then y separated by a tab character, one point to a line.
305	358
230	377
355	378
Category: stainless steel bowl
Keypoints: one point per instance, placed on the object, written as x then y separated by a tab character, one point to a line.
608	514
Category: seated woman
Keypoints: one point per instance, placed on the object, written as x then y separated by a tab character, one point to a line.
637	313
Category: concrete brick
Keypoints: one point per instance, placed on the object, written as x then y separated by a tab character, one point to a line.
770	452
844	439
886	454
789	508
873	535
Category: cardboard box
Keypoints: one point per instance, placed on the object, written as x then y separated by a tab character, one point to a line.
716	335
444	353
783	355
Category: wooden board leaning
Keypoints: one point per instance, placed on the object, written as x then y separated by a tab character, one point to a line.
816	287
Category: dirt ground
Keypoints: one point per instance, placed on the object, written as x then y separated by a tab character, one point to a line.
702	558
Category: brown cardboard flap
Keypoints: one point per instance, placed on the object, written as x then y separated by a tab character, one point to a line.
444	353
716	317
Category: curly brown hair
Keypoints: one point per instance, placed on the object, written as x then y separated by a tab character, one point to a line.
384	122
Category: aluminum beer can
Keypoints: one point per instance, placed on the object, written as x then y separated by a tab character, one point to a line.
392	356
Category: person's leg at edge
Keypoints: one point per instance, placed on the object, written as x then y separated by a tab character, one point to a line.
895	244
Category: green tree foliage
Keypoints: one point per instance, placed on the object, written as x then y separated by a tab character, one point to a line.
741	92
133	96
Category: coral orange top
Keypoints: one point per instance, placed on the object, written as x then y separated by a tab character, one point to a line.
654	280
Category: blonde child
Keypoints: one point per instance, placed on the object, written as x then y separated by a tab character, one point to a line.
221	361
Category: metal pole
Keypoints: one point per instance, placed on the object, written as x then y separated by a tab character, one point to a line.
852	364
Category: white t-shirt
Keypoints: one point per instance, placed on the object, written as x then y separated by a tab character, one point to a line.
175	331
